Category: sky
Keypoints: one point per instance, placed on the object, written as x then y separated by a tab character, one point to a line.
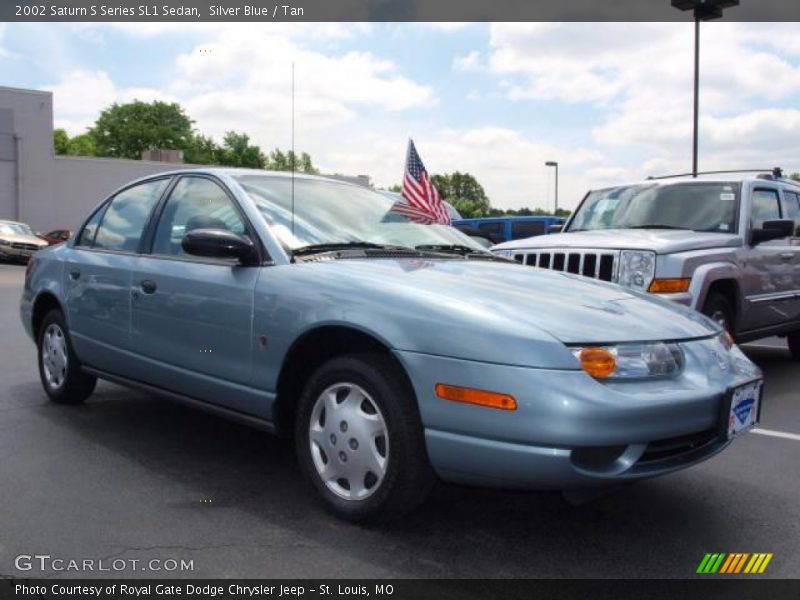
610	102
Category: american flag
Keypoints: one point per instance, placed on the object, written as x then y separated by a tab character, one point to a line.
424	204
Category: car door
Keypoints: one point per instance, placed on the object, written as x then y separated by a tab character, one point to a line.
97	275
769	274
791	210
192	317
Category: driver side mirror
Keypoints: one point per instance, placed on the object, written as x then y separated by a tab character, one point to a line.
772	230
220	243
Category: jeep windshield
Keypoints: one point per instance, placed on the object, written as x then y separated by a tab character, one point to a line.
332	214
697	206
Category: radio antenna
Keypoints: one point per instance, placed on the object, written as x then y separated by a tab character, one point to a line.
293	154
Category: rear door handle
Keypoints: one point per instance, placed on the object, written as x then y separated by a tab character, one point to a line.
787	255
148	287
74	274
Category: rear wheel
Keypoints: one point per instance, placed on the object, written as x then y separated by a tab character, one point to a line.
718	308
794	344
359	439
59	368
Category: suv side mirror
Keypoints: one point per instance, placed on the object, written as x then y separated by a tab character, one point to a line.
555	228
772	230
219	243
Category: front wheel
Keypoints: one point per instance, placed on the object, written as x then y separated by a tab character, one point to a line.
59	368
360	441
718	308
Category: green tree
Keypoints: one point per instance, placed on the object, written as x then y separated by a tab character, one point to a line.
60	141
81	145
202	150
795	176
125	130
395	188
464	192
278	160
238	152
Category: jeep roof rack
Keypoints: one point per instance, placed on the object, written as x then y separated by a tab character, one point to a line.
774	173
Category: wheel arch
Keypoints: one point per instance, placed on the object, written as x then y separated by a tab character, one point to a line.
43	304
308	352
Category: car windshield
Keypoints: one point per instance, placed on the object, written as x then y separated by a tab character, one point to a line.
328	212
16	229
699	206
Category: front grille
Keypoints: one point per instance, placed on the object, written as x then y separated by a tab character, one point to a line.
597	264
23	246
685	447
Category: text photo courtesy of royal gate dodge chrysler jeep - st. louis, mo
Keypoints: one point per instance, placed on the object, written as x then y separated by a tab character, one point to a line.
379	297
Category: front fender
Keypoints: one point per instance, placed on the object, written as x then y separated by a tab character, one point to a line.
705	275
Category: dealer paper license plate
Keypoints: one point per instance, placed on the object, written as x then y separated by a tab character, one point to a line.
744	408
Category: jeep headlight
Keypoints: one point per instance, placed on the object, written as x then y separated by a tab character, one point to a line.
637	268
631	361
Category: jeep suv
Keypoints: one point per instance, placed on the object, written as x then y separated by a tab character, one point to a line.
726	246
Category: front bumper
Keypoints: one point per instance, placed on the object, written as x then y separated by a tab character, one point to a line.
569	431
20	254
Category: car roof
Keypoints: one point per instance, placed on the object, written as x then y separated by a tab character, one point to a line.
733	177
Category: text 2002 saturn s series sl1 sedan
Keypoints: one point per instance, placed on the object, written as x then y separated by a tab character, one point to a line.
393	351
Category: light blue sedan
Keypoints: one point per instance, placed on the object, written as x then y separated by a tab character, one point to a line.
393	352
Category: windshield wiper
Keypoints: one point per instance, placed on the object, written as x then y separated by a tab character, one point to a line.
653	226
332	247
454	248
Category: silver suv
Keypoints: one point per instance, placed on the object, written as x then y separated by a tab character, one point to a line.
727	246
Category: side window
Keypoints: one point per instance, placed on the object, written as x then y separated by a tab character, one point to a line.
86	237
526	229
494	230
124	220
195	203
765	207
791	209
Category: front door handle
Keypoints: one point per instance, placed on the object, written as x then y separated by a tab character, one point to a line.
148	286
787	255
74	274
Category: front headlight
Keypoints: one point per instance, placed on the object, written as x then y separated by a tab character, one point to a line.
504	253
631	361
637	268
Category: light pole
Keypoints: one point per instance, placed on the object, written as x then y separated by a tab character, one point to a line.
552	163
704	10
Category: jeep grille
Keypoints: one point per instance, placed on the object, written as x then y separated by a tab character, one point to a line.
589	263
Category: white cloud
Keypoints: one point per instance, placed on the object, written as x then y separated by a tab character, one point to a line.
467	62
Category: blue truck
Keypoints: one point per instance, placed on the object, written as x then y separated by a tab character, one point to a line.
504	229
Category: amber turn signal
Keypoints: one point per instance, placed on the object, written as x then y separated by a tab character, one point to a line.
669	286
473	396
598	362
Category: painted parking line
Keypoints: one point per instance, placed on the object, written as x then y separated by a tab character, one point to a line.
777	434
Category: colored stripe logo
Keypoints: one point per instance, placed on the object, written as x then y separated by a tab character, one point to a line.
734	563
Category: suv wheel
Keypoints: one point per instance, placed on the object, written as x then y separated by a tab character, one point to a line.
794	344
718	308
59	367
360	441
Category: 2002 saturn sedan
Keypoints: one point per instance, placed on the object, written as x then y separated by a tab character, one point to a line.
394	351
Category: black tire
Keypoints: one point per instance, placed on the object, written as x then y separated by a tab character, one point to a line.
72	386
720	309
408	476
793	339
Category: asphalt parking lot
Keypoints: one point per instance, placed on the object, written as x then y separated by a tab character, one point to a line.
133	476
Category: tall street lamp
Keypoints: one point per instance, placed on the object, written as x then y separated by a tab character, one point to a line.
704	10
552	163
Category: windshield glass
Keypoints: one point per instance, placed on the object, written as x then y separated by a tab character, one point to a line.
700	206
327	212
16	229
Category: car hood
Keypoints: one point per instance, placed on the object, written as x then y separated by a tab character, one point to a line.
662	241
490	311
24	239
